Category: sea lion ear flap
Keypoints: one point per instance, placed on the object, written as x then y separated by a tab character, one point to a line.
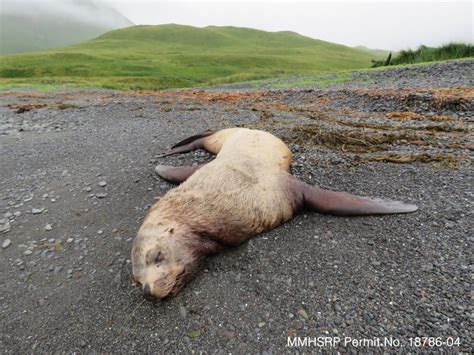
189	144
345	204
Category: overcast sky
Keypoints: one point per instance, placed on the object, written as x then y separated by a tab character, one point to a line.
375	24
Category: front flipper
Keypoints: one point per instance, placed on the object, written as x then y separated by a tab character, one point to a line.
176	175
344	204
189	144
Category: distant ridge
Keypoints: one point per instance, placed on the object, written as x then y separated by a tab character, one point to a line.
31	26
377	54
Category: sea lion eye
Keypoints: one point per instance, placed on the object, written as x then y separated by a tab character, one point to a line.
159	258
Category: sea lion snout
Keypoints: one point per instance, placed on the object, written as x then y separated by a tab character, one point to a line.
147	293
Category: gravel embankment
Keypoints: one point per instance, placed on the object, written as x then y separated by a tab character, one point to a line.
76	180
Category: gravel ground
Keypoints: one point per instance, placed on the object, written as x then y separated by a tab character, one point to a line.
76	181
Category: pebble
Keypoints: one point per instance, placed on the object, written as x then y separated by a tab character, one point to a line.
303	313
117	280
27	252
48	227
182	311
444	327
100	231
17	214
8	215
5	228
6	243
37	210
102	183
101	195
228	334
69	240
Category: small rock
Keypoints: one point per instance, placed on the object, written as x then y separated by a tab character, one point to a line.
6	243
5	228
102	183
37	210
194	333
27	252
69	240
48	227
17	214
117	279
303	313
229	334
182	311
101	195
82	343
100	231
261	324
427	267
8	214
444	327
41	302
88	189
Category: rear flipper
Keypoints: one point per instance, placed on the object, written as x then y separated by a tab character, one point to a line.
189	144
176	175
344	204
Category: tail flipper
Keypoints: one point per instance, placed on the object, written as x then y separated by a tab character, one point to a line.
345	204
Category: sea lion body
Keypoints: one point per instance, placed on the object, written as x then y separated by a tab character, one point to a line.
241	193
246	190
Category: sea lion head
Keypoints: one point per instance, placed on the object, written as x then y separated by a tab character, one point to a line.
162	262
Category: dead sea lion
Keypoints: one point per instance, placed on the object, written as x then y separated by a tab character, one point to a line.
246	190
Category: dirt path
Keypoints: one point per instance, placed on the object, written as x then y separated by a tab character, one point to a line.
76	180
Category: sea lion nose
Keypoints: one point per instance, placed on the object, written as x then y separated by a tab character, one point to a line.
147	293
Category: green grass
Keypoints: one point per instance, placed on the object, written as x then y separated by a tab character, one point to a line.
174	56
430	54
321	81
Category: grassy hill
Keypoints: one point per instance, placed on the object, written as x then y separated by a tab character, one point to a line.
165	56
34	25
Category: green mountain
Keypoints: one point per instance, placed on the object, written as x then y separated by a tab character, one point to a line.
164	56
31	26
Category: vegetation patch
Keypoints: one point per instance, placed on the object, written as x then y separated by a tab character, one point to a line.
428	54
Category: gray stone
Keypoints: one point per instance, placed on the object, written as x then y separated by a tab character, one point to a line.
6	243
